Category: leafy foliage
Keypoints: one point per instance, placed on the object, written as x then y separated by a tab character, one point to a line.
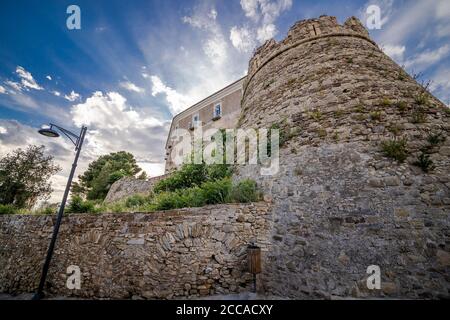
424	162
24	176
245	191
103	172
395	149
78	205
7	209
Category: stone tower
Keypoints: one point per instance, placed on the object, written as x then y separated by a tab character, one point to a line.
356	186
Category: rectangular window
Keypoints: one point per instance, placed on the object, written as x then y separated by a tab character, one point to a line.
195	121
195	118
217	111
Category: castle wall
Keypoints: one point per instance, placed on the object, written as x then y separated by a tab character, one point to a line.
339	204
185	253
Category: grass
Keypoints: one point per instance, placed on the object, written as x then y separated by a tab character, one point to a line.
419	116
316	115
321	132
435	139
402	106
395	149
375	115
424	162
422	99
386	102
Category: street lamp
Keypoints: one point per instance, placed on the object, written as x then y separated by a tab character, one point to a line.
77	140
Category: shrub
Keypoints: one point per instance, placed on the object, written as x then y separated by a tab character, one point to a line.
402	106
46	211
189	175
217	191
424	162
422	99
436	139
212	192
375	115
395	149
167	201
7	209
386	102
316	115
78	205
419	116
136	201
245	191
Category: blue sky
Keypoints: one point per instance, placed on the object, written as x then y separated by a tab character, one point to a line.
134	64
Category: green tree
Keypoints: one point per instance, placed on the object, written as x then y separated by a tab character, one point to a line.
95	182
24	176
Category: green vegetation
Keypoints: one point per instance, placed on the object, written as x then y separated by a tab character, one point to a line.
424	162
395	149
402	106
210	192
419	116
102	173
316	115
7	209
422	99
24	176
435	139
386	102
78	205
375	115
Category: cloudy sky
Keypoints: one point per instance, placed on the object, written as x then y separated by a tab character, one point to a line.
135	64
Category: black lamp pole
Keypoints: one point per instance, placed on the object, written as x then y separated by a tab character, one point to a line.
77	140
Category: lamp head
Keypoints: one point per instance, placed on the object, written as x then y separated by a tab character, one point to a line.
49	132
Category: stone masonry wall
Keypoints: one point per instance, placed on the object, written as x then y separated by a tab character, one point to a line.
181	253
339	204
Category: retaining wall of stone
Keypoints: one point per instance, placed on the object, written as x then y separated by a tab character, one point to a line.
182	253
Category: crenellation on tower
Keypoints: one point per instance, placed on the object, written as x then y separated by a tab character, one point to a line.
303	32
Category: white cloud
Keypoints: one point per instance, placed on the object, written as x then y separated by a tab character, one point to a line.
266	32
145	75
265	10
2	90
72	96
427	58
3	130
113	125
56	93
263	14
131	87
242	39
440	84
14	85
153	169
396	52
177	102
49	78
27	79
214	46
109	111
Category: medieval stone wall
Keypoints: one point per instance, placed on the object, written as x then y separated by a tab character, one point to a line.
182	253
340	205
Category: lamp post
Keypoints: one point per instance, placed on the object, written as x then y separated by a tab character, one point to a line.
77	140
